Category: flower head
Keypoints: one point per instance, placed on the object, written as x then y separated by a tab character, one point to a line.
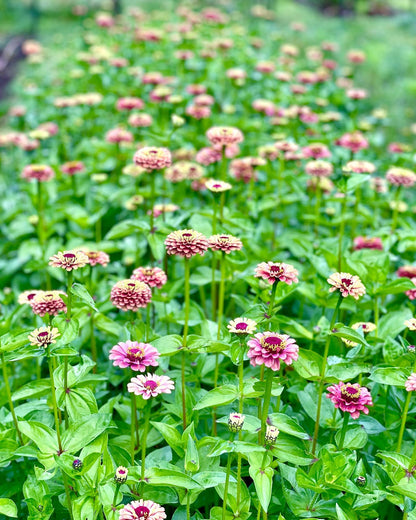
270	348
411	324
359	167
410	384
347	284
217	186
242	326
97	257
407	271
411	293
277	272
271	434
351	398
153	276
121	474
186	243
152	158
142	510
150	385
26	297
135	355
235	422
225	243
69	260
72	167
401	176
130	295
367	243
319	168
44	336
40	172
224	135
119	135
48	302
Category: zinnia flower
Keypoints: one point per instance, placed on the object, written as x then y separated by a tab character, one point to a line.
48	302
152	158
270	348
121	474
367	243
351	398
130	295
401	176
410	384
44	336
72	167
242	326
150	385
359	167
407	271
69	260
97	257
348	285
225	243
411	324
217	186
319	168
142	510
40	172
411	293
27	296
274	272
119	135
271	434
186	243
224	135
135	355
153	276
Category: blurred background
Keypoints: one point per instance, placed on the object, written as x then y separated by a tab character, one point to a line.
384	29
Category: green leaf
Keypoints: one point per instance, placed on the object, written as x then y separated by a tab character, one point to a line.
396	286
308	365
125	228
82	292
222	395
168	345
408	489
33	389
171	436
355	180
392	323
13	341
84	431
43	436
288	425
263	482
342	331
191	456
389	376
8	507
355	438
170	477
106	324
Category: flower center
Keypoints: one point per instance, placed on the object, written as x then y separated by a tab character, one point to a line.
142	511
350	393
151	385
272	343
241	326
346	281
134	353
43	335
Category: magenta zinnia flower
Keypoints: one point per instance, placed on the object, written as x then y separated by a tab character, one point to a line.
275	272
142	510
130	295
150	385
135	355
351	398
367	243
153	276
187	243
410	384
270	348
347	284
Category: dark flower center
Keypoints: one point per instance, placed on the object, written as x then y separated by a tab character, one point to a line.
134	353
142	511
350	393
151	385
273	343
31	296
346	281
43	334
241	326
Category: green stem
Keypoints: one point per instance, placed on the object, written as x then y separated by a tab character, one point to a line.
227	482
144	445
93	343
266	402
188	505
341	230
185	335
55	406
221	294
376	311
343	430
9	397
395	210
152	199
132	427
317	207
271	303
403	423
322	375
118	485
223	164
148	322
69	293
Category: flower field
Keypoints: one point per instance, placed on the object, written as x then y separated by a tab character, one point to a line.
207	262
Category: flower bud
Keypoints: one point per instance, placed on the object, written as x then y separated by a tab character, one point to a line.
235	422
77	464
361	481
177	121
271	434
121	475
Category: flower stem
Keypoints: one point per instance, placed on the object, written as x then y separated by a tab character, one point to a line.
144	445
227	482
343	430
266	401
271	303
322	375
223	164
221	294
395	210
403	423
93	343
118	485
341	230
188	505
9	397
152	199
317	208
148	322
132	428
55	406
185	335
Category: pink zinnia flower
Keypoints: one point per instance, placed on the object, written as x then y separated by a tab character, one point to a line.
186	243
411	293
141	120
347	284
130	295
351	398
48	302
26	297
319	168
270	348
367	243
39	172
69	260
129	103
97	257
410	384
224	135
198	111
316	151
72	167
401	176
150	385
354	141
217	186
207	156
152	158
407	271
153	276
135	355
359	167
277	272
225	243
119	135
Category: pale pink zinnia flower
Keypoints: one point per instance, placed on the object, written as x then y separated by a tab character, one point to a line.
153	276
150	385
186	243
367	243
411	324
410	384
69	260
44	336
359	167
401	176
407	271
242	326
130	295
319	168
351	398
316	151
129	103
224	135
39	172
225	243
207	156
270	348
140	120
142	510
277	272
354	141
48	302
217	186
97	257
411	293
135	355
119	135
347	284
72	167
152	158
26	297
